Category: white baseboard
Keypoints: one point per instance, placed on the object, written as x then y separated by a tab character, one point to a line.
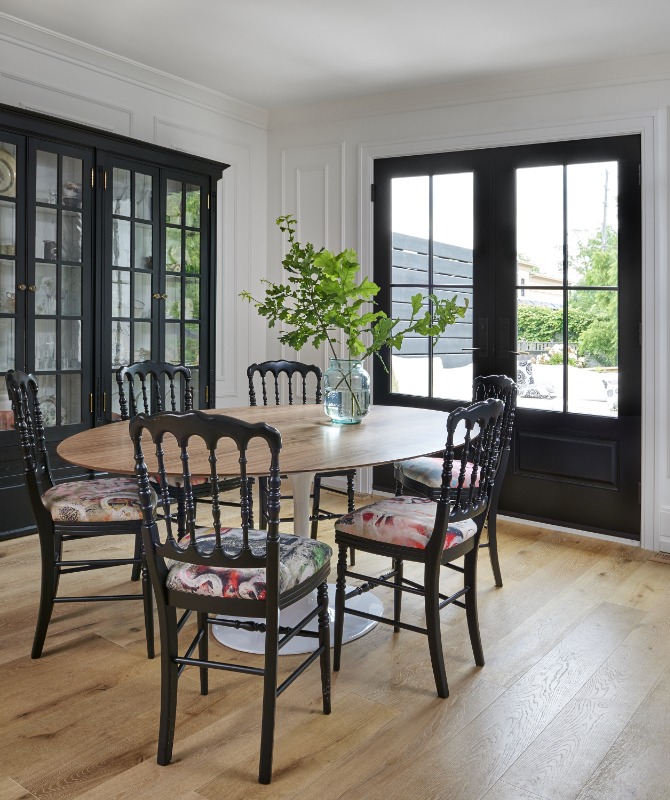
562	529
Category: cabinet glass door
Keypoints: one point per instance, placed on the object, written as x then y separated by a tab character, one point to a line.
186	253
132	264
59	299
12	263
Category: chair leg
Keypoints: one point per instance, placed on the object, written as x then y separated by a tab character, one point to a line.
351	507
148	604
470	579
181	514
398	489
341	588
58	555
493	550
269	699
324	641
432	601
203	651
169	678
47	594
397	593
137	568
315	507
250	487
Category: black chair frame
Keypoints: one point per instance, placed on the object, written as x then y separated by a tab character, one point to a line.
211	428
291	368
28	421
452	506
151	372
499	387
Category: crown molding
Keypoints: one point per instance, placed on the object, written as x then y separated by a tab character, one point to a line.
73	51
643	69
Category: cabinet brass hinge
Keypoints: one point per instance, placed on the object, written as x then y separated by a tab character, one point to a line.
92	177
91	402
208	202
105	181
206	394
104	401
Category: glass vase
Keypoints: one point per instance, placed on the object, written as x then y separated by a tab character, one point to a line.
346	391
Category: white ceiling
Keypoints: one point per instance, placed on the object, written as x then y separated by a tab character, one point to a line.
278	53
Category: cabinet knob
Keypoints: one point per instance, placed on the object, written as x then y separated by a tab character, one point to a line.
22	287
32	288
157	297
164	296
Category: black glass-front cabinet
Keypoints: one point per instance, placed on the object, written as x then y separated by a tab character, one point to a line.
107	257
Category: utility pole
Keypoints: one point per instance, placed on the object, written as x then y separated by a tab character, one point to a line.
603	244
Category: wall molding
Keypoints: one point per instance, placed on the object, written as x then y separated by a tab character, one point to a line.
654	255
27	35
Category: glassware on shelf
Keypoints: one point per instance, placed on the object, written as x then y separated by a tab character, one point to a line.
46	177
70	291
45	344
143	246
47	396
70	399
70	354
7	287
46	234
142	300
7	169
346	391
72	235
142	345
7	228
45	294
72	182
7	343
120	343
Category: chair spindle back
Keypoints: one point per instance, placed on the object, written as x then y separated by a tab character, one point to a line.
150	372
289	368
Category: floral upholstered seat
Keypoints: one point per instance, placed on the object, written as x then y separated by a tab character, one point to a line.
428	471
300	558
94	501
404	521
177	483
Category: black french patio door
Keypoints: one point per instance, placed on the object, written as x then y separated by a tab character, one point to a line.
544	243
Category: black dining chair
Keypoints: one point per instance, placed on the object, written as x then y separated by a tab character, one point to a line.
423	476
147	397
231	571
428	532
71	512
290	368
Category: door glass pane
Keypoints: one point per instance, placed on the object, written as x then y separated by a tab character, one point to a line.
452	360
173	208
410	206
195	386
453	223
7	229
142	333
592	195
72	233
7	169
120	343
45	344
143	246
46	233
192	206
192	310
593	372
539	227
7	287
70	340
47	398
70	291
121	192
173	343
540	339
70	399
120	293
142	301
192	343
173	302
143	196
45	293
121	243
173	249
192	251
72	182
46	177
409	365
7	343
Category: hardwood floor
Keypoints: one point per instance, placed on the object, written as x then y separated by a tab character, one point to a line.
574	700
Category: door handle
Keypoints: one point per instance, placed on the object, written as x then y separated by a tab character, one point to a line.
21	287
32	288
515	353
469	349
164	296
157	297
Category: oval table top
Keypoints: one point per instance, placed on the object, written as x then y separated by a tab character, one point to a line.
310	442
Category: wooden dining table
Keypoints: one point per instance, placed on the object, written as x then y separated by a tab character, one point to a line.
311	443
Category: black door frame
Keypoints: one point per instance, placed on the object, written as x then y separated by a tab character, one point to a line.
494	170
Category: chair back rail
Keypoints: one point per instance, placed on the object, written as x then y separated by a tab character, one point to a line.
151	372
502	388
211	428
289	368
482	452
